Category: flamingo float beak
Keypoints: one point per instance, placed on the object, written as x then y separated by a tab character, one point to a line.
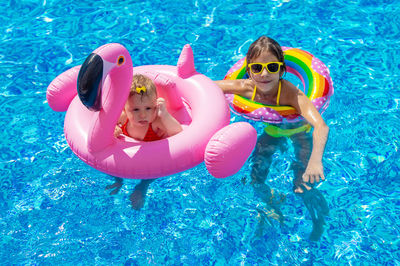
90	80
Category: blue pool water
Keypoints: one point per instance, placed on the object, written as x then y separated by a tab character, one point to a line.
54	208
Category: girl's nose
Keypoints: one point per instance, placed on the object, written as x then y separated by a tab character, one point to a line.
264	71
142	114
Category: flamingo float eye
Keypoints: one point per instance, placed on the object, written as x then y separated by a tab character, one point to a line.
121	60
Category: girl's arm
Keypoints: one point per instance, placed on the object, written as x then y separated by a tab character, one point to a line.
170	125
314	171
121	121
242	87
122	118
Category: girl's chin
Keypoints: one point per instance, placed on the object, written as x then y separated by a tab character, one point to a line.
266	86
142	123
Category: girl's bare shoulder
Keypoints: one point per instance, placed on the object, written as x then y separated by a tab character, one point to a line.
288	86
289	93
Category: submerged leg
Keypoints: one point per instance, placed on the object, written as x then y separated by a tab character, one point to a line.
261	159
312	198
116	186
138	195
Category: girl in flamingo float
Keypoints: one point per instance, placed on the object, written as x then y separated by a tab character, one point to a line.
145	118
95	94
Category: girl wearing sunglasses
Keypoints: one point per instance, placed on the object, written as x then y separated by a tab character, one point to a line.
265	85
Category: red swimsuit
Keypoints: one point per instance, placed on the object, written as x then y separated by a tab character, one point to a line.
150	134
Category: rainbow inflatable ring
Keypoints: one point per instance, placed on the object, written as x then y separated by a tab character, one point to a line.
310	70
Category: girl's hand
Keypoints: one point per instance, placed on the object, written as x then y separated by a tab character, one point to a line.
117	131
166	123
161	107
314	172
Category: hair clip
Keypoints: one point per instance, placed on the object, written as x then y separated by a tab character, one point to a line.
140	89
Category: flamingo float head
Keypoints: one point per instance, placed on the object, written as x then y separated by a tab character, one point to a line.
103	85
102	62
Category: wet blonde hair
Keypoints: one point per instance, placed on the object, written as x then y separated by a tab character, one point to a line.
139	81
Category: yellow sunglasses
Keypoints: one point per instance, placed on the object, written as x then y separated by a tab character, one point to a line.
272	67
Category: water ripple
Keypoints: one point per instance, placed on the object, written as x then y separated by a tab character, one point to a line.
53	206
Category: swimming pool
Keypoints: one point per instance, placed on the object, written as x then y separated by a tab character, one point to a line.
54	208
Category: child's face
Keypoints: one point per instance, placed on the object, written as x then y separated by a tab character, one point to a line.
265	80
141	110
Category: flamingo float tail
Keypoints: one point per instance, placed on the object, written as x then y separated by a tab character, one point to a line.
186	63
